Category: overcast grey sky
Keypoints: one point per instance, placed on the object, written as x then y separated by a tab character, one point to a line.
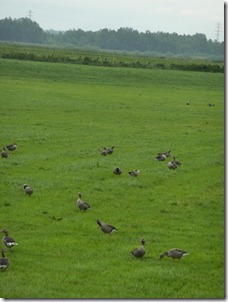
179	16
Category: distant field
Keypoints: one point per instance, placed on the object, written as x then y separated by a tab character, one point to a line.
42	53
61	116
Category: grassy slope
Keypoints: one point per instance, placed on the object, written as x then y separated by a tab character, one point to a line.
61	116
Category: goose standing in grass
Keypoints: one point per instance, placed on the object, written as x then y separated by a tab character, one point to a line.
167	154
4	262
104	152
134	173
105	227
176	162
174	253
11	147
172	165
139	251
211	105
4	154
117	171
110	150
188	102
8	241
28	190
83	205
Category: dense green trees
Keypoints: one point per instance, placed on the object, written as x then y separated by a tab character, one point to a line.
123	39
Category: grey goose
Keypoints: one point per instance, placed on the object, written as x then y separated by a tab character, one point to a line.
8	241
105	227
139	251
174	254
4	262
28	190
83	205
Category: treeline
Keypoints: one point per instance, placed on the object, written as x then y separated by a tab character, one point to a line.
123	39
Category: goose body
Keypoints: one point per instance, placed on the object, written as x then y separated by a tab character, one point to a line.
104	152
117	171
28	190
110	150
161	157
8	241
4	154
174	253
105	227
139	251
176	162
83	205
11	147
134	173
172	165
4	262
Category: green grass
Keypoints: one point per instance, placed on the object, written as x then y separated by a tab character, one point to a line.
61	116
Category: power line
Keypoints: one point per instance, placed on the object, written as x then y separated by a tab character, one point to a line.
218	31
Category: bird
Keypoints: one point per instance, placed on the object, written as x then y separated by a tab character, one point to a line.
104	152
4	262
172	165
176	162
139	251
105	227
161	157
188	102
167	154
117	171
8	241
28	190
4	154
83	206
174	253
211	105
110	150
11	147
134	173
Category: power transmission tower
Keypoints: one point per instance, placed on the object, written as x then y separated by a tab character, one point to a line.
218	31
30	13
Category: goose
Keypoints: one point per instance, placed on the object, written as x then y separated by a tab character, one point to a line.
110	150
176	162
161	157
117	171
104	152
211	105
167	154
188	102
174	253
8	241
4	154
106	228
172	165
134	173
139	251
11	147
83	206
4	262
28	190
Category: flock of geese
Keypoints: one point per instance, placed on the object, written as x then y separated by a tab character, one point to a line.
139	252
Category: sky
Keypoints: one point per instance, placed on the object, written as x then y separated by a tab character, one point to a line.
179	16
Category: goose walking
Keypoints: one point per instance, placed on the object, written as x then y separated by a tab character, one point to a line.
174	253
83	205
28	190
139	251
4	154
110	150
8	241
4	262
105	227
11	147
134	173
117	171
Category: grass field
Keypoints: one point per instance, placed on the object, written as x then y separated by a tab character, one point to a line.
61	116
